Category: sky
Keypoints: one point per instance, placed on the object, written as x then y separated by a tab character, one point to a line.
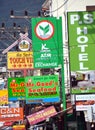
19	7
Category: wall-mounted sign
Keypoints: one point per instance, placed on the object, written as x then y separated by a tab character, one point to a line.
82	51
41	115
46	41
42	89
24	45
20	60
11	114
16	89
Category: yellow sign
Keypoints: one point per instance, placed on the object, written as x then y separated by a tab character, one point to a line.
19	127
3	97
20	60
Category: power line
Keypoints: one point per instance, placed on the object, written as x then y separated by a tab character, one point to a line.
59	7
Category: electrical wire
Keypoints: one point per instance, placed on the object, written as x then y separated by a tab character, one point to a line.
60	6
27	8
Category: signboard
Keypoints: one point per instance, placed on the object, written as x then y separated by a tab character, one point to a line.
19	127
81	33
45	41
42	89
3	97
16	88
20	60
11	114
85	97
41	115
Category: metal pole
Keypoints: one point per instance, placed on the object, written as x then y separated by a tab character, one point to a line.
62	71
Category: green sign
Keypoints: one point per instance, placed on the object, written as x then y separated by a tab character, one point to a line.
45	41
42	89
16	89
81	33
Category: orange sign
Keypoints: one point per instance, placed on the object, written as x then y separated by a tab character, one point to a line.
19	127
20	60
11	114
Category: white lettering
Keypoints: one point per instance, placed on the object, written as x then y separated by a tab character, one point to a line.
83	47
74	18
82	39
79	30
88	18
82	66
83	57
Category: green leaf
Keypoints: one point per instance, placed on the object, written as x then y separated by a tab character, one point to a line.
41	28
45	30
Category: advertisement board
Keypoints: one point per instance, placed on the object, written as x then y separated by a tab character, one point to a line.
42	89
16	88
81	35
41	115
84	101
3	97
20	60
46	41
11	114
19	127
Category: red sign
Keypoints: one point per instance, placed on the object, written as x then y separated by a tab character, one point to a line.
41	115
11	114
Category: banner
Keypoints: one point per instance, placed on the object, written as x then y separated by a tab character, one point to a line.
3	97
81	33
41	115
42	89
11	114
20	60
46	41
16	88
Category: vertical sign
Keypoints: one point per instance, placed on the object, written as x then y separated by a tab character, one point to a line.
81	28
45	42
